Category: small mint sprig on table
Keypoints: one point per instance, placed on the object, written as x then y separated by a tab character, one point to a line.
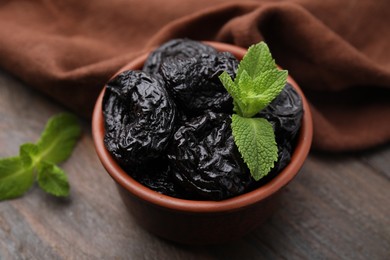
38	161
257	83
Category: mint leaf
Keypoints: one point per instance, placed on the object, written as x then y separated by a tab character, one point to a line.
52	179
257	60
255	140
59	138
16	177
29	153
268	86
255	94
257	83
230	86
248	97
233	90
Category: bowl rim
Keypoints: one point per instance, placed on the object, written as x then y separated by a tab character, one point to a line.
195	206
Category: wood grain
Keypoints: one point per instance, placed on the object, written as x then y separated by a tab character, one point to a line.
337	208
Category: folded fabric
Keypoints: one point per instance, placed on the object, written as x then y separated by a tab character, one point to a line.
337	51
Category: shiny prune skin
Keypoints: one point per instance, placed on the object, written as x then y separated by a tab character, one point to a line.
139	118
284	157
205	160
194	83
156	176
285	114
180	48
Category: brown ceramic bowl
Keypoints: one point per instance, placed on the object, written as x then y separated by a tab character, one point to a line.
200	222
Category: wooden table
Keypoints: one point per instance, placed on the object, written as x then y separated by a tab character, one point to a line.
337	208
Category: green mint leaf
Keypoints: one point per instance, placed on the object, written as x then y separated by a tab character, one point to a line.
267	86
29	153
257	83
255	94
255	140
248	96
257	60
246	85
52	179
16	177
59	138
232	89
229	85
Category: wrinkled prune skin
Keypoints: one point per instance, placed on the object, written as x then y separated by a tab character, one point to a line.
285	114
181	48
284	157
205	160
194	83
285	111
139	118
158	177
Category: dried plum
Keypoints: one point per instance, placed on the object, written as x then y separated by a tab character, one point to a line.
285	114
194	83
284	157
156	176
184	48
139	118
205	160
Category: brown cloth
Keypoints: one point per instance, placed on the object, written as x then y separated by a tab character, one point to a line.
337	51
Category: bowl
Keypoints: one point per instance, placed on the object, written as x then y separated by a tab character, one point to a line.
200	222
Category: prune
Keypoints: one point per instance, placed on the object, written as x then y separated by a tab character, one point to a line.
205	160
285	114
156	176
184	48
139	118
284	157
194	83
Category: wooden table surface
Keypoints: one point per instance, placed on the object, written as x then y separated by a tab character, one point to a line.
337	208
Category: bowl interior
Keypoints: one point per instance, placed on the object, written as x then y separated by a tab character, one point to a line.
122	178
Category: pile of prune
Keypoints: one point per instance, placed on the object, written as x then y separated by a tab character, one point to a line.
168	126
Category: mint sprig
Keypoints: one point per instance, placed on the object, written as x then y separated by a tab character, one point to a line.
52	179
257	83
38	161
